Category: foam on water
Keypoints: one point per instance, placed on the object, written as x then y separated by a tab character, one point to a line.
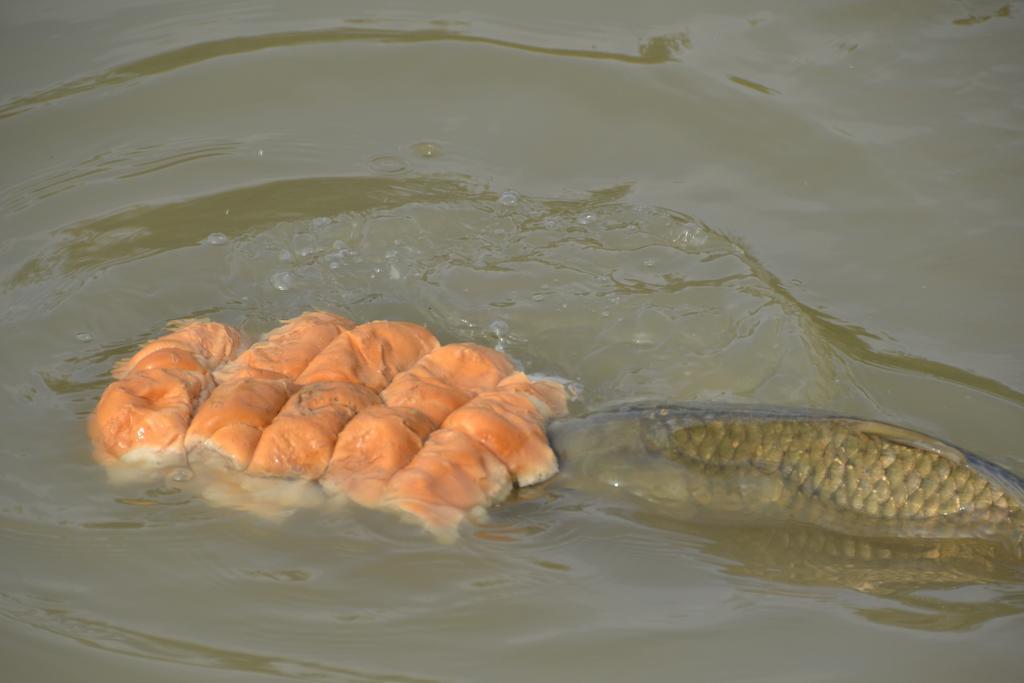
282	280
215	239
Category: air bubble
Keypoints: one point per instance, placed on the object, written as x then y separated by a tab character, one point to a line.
215	239
643	338
336	259
538	297
586	218
282	280
508	198
574	390
426	149
394	273
692	235
499	329
83	337
180	474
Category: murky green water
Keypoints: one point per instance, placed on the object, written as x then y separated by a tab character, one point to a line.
815	204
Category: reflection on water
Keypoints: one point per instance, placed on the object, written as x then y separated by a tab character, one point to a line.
917	580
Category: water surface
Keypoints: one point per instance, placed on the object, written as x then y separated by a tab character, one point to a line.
812	205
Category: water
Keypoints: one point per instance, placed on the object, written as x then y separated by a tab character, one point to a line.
804	204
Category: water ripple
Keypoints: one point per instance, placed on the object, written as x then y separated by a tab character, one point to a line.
654	50
117	163
105	635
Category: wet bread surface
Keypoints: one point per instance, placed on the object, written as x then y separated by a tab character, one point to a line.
379	414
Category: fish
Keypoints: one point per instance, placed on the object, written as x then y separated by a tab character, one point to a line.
381	415
844	474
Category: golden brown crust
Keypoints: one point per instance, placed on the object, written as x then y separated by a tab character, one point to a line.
446	378
248	402
370	354
510	425
469	367
452	476
192	345
303	403
300	440
144	417
429	396
288	349
551	395
374	445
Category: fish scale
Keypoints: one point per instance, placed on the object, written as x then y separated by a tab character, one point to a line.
851	475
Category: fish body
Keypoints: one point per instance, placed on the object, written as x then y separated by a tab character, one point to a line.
841	473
